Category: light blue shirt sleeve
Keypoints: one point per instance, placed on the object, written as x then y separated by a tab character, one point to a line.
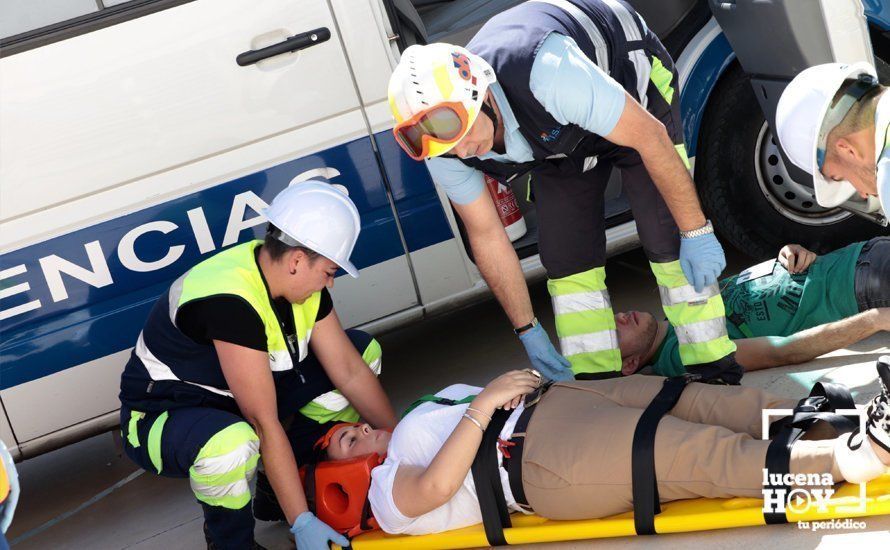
573	88
463	184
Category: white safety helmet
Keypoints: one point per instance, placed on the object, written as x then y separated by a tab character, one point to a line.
430	76
317	216
802	126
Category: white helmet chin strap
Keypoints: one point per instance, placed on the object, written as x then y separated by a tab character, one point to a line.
280	235
874	203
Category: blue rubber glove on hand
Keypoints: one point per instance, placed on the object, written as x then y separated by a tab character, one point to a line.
310	533
702	260
544	356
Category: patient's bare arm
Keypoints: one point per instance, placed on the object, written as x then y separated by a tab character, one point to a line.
774	351
419	490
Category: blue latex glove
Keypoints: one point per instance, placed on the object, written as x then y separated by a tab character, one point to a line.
702	260
544	356
12	499
310	533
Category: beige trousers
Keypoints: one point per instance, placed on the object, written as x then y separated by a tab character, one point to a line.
576	463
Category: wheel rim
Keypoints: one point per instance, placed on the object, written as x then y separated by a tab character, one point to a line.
789	198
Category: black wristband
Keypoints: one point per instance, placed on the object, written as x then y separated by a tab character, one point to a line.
523	328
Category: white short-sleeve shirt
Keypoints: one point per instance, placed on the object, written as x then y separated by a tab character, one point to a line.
415	441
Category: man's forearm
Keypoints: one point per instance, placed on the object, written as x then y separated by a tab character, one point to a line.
673	182
281	469
811	343
499	265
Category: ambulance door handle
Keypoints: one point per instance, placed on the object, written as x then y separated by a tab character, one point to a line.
294	43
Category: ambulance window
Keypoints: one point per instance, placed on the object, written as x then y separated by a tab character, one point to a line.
26	15
28	24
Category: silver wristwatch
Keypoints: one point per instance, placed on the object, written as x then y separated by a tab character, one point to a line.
706	229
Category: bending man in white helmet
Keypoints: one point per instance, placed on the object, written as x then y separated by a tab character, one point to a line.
832	121
565	91
244	355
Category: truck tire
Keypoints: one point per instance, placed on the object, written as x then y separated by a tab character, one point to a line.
746	190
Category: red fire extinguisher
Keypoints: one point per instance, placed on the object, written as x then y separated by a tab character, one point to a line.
508	209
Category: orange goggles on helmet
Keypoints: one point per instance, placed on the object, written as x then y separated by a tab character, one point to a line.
444	123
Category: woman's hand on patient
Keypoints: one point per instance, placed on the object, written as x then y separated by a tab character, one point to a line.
508	389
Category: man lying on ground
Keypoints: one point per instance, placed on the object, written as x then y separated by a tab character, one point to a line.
780	312
575	458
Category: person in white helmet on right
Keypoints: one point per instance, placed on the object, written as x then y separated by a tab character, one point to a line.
244	356
832	121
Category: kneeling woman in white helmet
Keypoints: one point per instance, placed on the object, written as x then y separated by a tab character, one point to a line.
574	451
244	356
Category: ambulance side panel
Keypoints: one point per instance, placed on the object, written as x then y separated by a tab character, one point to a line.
132	152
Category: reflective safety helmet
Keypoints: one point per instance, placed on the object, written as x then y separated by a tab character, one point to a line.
436	93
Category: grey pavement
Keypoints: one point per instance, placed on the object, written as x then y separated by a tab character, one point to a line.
469	346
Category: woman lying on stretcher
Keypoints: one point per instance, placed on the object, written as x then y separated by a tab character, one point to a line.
575	459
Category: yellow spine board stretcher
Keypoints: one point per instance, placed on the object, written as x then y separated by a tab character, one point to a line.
676	517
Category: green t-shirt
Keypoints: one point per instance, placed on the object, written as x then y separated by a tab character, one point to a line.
779	304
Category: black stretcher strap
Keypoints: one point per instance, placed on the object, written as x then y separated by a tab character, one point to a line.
824	399
645	485
513	465
487	479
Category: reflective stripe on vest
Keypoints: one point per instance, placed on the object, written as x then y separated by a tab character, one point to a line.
631	26
596	38
642	65
158	370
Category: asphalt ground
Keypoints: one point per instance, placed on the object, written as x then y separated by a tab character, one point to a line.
116	507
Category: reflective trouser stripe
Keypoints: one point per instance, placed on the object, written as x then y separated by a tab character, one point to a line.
332	406
133	427
224	467
698	317
585	323
154	441
154	436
